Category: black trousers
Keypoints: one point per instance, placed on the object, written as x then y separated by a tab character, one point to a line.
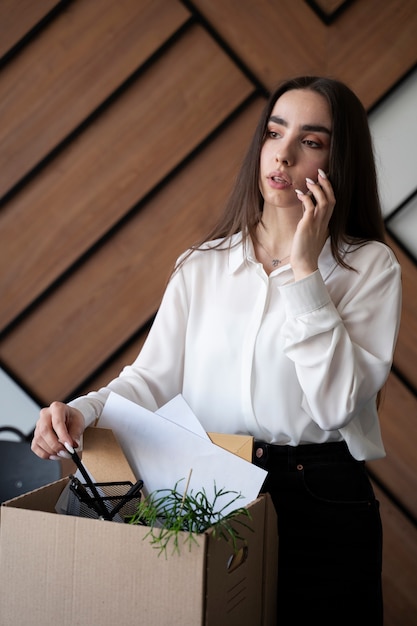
330	535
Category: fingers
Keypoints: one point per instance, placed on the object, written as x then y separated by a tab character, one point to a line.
57	425
312	229
320	194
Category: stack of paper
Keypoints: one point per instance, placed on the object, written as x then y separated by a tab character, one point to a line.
170	447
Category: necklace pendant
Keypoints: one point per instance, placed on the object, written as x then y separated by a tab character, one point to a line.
276	262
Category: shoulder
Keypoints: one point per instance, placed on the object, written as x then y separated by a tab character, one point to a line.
372	272
361	255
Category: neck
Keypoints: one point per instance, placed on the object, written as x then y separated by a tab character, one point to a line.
280	223
274	235
270	257
277	240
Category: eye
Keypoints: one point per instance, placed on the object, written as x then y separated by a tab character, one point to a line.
312	144
272	134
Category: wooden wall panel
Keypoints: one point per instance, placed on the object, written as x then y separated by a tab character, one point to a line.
122	123
398	470
80	59
329	7
110	369
119	158
372	45
20	17
273	40
129	273
399	572
369	46
405	356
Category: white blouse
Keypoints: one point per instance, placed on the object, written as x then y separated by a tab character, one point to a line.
287	362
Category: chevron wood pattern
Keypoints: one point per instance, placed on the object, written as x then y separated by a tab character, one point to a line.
122	125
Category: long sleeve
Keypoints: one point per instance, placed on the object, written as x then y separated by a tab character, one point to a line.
342	340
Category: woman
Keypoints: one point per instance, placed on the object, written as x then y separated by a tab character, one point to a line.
282	324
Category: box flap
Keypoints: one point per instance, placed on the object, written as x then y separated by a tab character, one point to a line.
242	445
41	499
104	458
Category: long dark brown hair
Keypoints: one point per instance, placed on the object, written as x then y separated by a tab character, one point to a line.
352	172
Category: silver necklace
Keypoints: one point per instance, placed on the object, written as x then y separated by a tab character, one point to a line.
274	260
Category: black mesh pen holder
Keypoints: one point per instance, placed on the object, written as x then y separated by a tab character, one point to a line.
112	501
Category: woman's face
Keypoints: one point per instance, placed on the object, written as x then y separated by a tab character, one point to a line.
297	144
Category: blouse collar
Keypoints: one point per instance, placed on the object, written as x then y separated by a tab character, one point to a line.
240	253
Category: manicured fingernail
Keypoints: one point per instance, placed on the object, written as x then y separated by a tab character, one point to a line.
310	181
64	455
299	192
69	448
321	173
54	457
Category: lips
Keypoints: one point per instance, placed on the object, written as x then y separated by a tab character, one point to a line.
279	178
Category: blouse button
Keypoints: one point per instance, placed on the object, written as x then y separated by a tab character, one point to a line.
259	452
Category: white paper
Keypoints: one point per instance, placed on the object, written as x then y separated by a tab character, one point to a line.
162	453
179	412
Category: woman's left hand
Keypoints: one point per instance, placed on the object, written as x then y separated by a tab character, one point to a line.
313	228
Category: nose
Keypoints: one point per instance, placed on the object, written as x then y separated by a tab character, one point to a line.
283	160
282	155
285	149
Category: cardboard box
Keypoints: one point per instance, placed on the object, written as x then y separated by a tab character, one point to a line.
71	570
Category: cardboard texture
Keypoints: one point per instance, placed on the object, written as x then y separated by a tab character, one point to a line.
103	457
242	445
71	570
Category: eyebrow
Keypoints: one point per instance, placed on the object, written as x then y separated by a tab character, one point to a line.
317	128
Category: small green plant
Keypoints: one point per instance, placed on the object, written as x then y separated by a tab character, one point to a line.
168	513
